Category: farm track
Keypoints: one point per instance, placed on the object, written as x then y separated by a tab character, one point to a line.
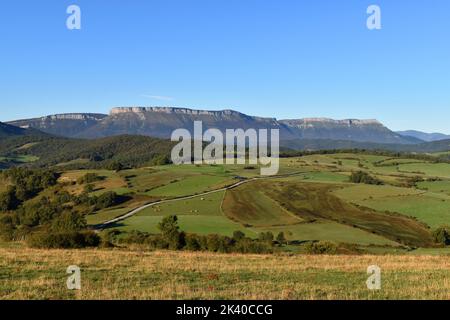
149	205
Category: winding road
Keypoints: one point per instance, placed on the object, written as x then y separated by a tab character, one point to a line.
149	205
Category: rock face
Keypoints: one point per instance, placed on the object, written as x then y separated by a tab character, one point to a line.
162	121
348	129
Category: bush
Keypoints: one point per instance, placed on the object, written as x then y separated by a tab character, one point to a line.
89	178
106	200
135	236
115	166
8	200
64	240
321	247
442	235
69	222
238	235
364	177
250	246
193	243
266	236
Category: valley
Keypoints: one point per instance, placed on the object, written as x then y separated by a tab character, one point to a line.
312	199
301	234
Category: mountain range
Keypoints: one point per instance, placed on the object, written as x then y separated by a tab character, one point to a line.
428	137
162	121
138	136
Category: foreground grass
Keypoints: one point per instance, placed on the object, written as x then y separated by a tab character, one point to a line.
117	274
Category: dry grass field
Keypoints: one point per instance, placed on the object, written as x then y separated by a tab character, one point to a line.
135	274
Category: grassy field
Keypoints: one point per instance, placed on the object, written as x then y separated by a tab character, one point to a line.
118	274
316	202
20	159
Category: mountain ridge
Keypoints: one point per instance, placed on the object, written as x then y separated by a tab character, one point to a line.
162	121
428	137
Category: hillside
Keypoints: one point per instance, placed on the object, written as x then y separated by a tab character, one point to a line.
48	151
428	137
7	130
186	275
162	121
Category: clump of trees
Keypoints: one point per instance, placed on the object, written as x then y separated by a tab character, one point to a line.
25	184
89	177
56	219
364	177
64	240
172	238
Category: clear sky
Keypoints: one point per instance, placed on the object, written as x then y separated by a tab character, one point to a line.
276	58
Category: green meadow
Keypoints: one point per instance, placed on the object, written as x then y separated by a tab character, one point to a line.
312	199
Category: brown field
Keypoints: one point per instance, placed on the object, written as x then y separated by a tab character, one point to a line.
118	274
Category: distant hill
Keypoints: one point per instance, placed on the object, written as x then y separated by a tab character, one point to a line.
327	144
428	137
7	130
162	121
133	151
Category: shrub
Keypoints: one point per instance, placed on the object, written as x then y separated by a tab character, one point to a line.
321	247
135	236
266	236
442	235
250	246
63	240
69	222
106	200
238	235
115	166
89	178
88	188
192	243
364	177
8	200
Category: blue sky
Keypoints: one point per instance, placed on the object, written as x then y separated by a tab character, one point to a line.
276	58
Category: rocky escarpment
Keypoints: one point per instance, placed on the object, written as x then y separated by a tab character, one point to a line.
162	121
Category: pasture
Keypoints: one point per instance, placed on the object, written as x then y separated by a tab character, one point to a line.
127	274
312	200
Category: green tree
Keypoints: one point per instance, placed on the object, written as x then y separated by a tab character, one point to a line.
171	232
8	200
281	239
266	236
69	222
238	236
88	188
